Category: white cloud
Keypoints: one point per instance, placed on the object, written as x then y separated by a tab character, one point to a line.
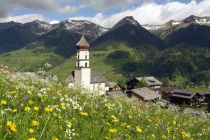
8	6
104	3
23	18
153	13
54	22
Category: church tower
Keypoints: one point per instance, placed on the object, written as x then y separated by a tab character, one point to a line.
83	70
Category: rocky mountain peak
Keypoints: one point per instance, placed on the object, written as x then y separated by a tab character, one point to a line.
129	20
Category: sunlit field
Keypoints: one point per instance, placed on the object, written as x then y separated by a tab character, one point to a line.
36	107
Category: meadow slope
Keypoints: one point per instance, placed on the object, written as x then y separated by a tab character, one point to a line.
37	108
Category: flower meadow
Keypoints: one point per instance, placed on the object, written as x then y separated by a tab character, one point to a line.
33	107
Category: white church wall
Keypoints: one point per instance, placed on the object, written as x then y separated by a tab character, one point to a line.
83	55
85	77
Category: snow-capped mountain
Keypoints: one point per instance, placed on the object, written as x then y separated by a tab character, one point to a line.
129	20
83	26
197	20
152	28
39	27
172	23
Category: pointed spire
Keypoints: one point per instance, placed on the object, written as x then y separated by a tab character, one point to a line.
83	44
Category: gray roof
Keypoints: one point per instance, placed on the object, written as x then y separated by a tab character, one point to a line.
96	77
112	84
150	80
183	94
83	42
146	93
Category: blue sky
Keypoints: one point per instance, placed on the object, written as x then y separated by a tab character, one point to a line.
104	12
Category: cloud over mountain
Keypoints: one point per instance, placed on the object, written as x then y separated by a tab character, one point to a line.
153	13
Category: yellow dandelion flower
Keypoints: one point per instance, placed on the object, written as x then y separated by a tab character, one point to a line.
35	123
74	119
31	138
115	119
185	134
29	92
55	138
69	123
84	114
12	126
138	129
174	122
113	130
27	109
3	102
30	102
63	107
31	130
48	109
59	117
130	117
153	135
36	108
123	124
128	126
163	137
149	120
14	110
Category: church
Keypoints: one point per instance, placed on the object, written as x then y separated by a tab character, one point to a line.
83	76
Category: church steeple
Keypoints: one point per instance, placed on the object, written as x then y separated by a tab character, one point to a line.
82	53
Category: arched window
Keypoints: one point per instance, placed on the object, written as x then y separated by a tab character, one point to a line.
78	64
78	57
85	57
86	65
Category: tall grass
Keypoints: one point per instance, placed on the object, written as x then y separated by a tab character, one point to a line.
36	108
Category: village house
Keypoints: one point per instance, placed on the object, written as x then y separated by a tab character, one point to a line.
143	94
114	86
83	76
165	92
206	96
185	97
115	90
150	81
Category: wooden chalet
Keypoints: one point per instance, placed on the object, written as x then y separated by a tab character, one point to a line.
165	92
185	97
206	96
114	86
150	81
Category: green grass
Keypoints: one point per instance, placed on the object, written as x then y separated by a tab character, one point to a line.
62	113
35	56
200	89
24	58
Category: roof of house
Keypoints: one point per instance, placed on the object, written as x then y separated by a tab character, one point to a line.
150	80
183	94
146	93
112	84
96	77
165	90
83	42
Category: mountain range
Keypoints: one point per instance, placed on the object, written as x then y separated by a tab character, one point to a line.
188	38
